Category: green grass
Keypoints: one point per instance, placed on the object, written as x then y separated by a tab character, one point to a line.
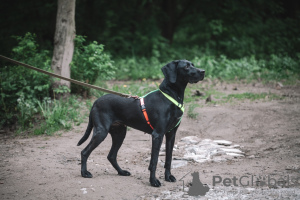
134	88
191	111
273	68
232	98
59	115
252	96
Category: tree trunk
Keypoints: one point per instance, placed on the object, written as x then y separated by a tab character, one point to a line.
169	8
63	43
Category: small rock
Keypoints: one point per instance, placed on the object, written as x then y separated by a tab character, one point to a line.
252	156
83	190
148	159
279	85
163	147
229	150
235	154
190	140
223	142
198	93
178	163
208	99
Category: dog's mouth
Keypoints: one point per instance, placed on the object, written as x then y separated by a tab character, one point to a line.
196	76
192	81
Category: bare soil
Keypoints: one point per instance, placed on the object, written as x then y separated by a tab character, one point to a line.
48	167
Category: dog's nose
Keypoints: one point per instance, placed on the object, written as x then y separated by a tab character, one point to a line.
201	71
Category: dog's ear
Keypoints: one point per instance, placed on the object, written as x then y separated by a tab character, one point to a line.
170	71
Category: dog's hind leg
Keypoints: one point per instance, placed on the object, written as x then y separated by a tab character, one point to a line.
118	133
99	134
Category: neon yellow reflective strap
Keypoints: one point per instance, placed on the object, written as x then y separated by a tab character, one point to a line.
181	106
149	93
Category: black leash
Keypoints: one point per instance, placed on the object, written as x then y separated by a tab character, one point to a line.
64	78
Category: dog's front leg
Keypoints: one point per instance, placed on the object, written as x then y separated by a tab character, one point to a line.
170	139
156	144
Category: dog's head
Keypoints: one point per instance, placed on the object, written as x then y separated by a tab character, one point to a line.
183	70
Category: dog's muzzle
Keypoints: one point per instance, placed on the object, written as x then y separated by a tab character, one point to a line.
199	76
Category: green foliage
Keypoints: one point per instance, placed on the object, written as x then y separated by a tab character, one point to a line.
138	29
26	110
25	93
276	68
58	115
90	63
142	68
252	96
21	88
136	88
191	111
223	68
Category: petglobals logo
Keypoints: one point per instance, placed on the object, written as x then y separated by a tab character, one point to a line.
258	181
197	187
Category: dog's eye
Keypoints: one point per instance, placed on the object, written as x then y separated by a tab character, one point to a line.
187	67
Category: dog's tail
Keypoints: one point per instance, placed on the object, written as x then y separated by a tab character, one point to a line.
87	132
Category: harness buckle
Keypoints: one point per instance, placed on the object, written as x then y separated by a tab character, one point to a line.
143	107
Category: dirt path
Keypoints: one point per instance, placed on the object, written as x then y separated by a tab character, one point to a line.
267	131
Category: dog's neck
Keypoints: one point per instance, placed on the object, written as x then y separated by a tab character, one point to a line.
175	90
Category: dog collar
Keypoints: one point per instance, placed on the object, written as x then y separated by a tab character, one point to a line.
181	106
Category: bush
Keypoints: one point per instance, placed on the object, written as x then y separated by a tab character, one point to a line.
58	115
25	92
21	88
132	68
89	64
275	68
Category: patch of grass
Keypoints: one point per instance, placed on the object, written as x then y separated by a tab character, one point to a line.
139	68
191	111
58	115
89	104
272	68
206	92
252	96
139	88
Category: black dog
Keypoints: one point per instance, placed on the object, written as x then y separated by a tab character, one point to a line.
111	113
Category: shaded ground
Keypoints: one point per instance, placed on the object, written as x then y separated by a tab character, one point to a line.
267	131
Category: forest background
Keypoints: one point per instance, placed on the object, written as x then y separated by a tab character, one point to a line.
232	40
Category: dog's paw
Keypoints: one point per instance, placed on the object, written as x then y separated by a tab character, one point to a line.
86	174
124	173
170	178
155	182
